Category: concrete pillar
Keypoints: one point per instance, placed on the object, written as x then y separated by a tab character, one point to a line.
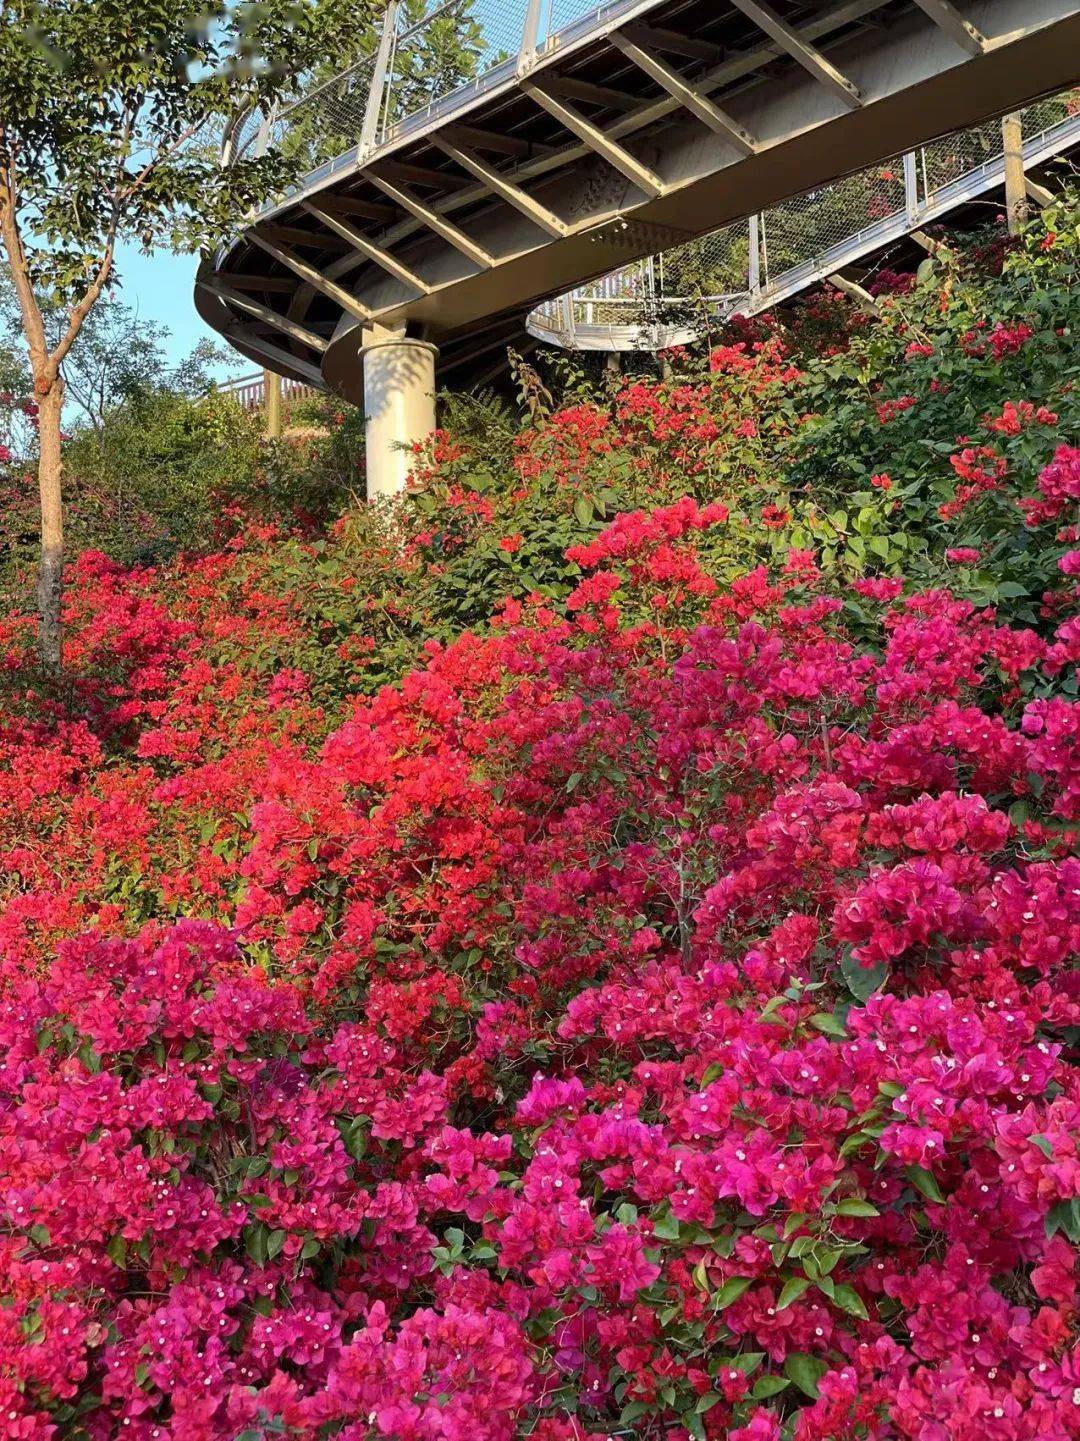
1012	137
399	406
272	402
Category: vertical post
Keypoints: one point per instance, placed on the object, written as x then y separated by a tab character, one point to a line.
262	140
399	406
1012	139
763	240
754	267
569	326
272	394
911	188
529	36
369	131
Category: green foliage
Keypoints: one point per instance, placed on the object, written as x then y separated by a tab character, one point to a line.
111	115
959	383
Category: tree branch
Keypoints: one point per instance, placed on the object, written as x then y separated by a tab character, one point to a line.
33	324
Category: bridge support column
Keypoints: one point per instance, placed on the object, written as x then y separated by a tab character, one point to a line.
399	406
1012	138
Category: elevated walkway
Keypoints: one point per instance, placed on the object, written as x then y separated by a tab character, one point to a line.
495	154
765	259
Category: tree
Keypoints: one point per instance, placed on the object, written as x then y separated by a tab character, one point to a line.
108	117
117	358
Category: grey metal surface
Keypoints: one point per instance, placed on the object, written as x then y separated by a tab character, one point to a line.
650	305
578	160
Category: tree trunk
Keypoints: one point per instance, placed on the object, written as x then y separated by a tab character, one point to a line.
50	583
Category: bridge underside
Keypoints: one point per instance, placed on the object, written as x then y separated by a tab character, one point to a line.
656	123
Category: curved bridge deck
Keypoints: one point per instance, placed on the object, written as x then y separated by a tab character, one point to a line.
764	259
459	176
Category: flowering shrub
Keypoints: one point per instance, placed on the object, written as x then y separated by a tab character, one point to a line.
657	1024
654	1016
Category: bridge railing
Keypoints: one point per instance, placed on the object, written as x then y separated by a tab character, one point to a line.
425	53
249	391
754	261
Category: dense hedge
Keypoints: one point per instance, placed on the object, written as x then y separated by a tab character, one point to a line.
653	1016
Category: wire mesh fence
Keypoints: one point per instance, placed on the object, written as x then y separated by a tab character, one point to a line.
753	259
325	126
434	49
445	49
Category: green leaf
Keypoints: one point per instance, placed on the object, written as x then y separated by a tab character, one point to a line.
746	1361
806	1371
255	1243
853	1206
1065	1216
830	1024
767	1386
730	1291
666	1228
862	981
791	1291
923	1181
583	510
274	1243
849	1300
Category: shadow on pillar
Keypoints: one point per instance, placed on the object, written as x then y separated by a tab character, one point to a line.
399	407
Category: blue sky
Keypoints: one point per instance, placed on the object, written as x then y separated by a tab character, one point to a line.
160	287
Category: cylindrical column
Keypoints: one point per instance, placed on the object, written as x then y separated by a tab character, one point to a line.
399	408
1012	137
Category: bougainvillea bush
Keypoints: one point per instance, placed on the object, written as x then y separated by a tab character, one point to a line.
654	1016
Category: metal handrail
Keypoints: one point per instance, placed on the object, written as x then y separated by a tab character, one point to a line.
565	320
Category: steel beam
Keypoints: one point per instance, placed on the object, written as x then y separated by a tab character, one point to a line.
488	140
945	15
313	277
435	222
261	282
687	95
411	174
293	235
365	209
690	47
360	242
800	49
595	138
264	313
266	354
519	199
592	94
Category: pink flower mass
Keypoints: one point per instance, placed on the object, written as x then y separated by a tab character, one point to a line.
652	1015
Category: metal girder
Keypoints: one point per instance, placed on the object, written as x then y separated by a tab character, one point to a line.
730	71
292	235
261	282
593	94
367	247
498	185
595	138
800	49
313	277
687	95
688	46
488	140
434	221
264	313
276	358
945	15
365	209
420	175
